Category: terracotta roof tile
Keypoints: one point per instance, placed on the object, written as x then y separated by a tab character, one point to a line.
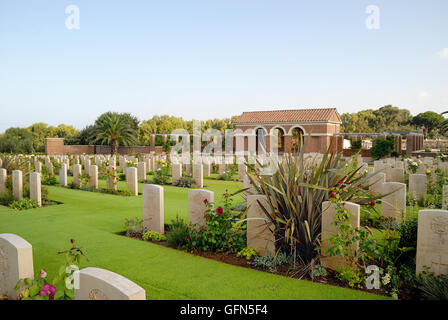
299	115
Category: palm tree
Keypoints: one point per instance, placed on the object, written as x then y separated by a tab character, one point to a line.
113	129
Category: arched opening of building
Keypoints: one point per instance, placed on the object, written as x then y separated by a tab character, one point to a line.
260	141
297	139
279	135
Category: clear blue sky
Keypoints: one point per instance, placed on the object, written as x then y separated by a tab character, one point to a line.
217	58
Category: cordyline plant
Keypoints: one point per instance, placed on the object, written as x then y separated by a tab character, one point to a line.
295	193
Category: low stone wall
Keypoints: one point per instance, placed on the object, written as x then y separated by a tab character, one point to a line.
55	146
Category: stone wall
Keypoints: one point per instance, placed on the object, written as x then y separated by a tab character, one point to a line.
55	146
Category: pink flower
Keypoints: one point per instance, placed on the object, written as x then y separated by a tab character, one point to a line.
48	290
43	274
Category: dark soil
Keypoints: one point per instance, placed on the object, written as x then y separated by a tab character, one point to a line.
285	270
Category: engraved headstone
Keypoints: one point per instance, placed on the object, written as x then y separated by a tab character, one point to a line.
100	284
432	241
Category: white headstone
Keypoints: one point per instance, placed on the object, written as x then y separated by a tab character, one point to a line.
394	204
259	235
17	185
16	262
329	211
196	205
417	186
132	180
3	177
93	173
153	208
432	241
35	187
101	284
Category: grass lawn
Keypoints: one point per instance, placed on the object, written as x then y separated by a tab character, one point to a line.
94	220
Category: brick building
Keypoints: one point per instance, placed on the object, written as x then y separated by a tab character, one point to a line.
317	127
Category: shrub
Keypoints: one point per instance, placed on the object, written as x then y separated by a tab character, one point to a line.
49	180
178	232
6	198
351	276
248	253
224	229
382	147
162	174
356	145
134	227
427	286
42	288
228	174
153	236
408	239
24	204
184	182
271	262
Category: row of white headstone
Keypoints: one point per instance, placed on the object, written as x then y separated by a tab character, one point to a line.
17	185
432	236
16	262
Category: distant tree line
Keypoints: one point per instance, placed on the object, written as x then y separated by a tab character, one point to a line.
389	118
114	129
110	128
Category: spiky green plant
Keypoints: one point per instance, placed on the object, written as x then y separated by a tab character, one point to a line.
295	193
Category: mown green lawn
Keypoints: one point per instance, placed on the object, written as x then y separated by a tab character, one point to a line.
94	220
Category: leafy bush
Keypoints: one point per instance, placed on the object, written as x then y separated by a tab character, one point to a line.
184	182
408	239
134	227
162	174
49	180
153	236
427	286
356	145
41	288
6	198
383	147
248	253
178	232
318	271
24	204
228	174
224	229
351	276
271	262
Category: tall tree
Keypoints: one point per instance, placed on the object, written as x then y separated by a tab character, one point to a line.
429	120
114	129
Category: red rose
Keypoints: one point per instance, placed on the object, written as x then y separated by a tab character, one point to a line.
205	201
360	186
372	203
341	182
219	210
